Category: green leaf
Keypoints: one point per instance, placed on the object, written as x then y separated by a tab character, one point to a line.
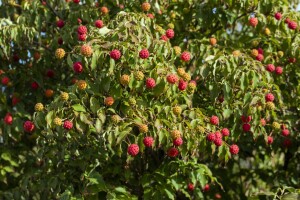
94	105
78	108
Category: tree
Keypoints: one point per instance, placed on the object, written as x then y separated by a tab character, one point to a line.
149	100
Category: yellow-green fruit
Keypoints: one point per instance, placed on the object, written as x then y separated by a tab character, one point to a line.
255	43
186	77
259	108
276	125
270	106
175	134
177	50
171	26
60	53
267	31
236	53
57	121
81	85
64	96
186	10
280	54
180	72
173	15
254	52
39	107
160	29
115	119
138	75
177	110
200	129
125	79
191	86
132	102
143	128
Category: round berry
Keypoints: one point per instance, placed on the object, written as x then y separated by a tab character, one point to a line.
206	188
60	23
190	187
144	54
172	78
109	101
8	119
68	125
99	23
263	122
269	97
246	127
285	132
133	150
34	85
82	30
278	70
5	80
225	132
270	139
246	119
115	54
77	67
185	56
148	141
234	149
278	15
182	84
211	137
28	126
214	120
150	83
259	57
218	142
253	21
292	25
270	68
170	33
86	50
172	152
178	141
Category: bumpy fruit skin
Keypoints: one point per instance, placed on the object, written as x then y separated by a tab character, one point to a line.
236	53
218	142
8	119
28	126
190	187
185	56
225	132
81	84
211	137
146	6
254	52
143	128
246	127
49	93
182	85
57	121
278	15
150	15
144	54
109	101
276	125
270	140
99	23
191	87
280	54
253	21
76	1
138	75
82	30
170	33
164	38
132	102
86	50
218	135
270	68
292	60
104	10
285	132
178	141
133	150
292	25
64	96
234	149
125	79
60	23
260	57
180	71
115	119
206	188
172	152
269	97
270	105
172	78
148	141
77	67
115	54
175	134
213	41
278	70
214	120
5	80
60	53
200	129
177	50
177	110
39	107
150	83
267	31
263	122
186	77
81	37
68	125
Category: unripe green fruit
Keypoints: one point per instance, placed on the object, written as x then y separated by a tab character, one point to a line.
255	43
132	102
280	54
160	29
270	105
177	50
39	107
64	96
171	26
115	119
177	110
57	121
186	77
267	31
138	75
276	125
200	129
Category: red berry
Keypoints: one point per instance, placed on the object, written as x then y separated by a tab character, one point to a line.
79	21
172	152
182	85
206	188
190	187
278	70
150	15
150	83
292	60
133	150
99	23
246	127
50	73
287	143
172	78
8	119
270	68
278	15
253	21
144	54
292	25
218	135
60	23
211	137
246	119
76	1
82	30
260	51
287	20
178	141
285	132
263	122
269	97
170	33
34	85
225	132
218	142
77	67
115	54
194	82
234	149
214	120
270	139
218	196
28	126
164	38
60	41
148	141
282	126
259	57
5	80
185	56
68	125
81	37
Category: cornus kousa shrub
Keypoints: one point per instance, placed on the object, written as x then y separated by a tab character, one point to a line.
149	100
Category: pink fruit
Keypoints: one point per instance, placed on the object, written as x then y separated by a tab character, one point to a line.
270	140
259	57
270	68
172	152
82	30
246	127
148	141
214	120
133	150
8	119
170	33
60	23
178	141
185	56
278	70
172	78
292	25
144	54
253	21
28	126
285	132
150	83
278	15
77	67
246	119
68	125
211	137
182	85
99	23
234	149
269	97
263	122
225	132
218	142
190	187
115	54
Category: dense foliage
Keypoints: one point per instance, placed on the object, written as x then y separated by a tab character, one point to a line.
181	99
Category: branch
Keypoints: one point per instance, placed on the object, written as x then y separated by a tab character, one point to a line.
51	9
